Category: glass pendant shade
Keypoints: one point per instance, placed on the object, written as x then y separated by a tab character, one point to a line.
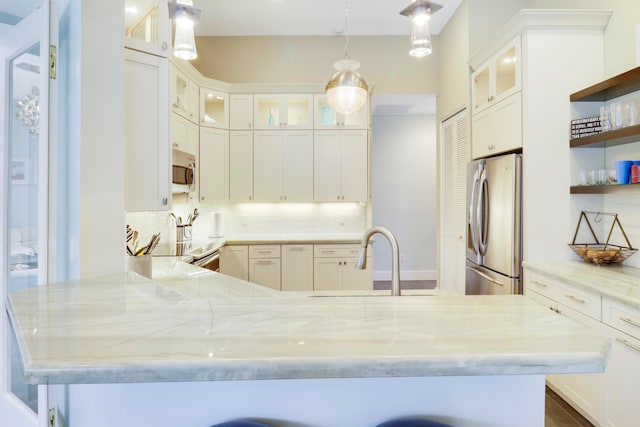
185	16
347	91
184	43
420	33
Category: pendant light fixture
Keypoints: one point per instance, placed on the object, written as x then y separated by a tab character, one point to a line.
420	13
347	91
185	15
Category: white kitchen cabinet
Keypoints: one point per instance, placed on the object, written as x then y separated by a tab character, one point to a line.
184	134
325	117
283	166
147	27
241	111
184	95
340	166
498	78
582	391
264	265
283	111
147	150
234	261
213	165
334	268
240	166
497	129
297	268
214	108
605	399
623	369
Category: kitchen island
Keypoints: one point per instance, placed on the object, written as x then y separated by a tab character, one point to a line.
193	347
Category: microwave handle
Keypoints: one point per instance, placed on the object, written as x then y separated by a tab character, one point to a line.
192	169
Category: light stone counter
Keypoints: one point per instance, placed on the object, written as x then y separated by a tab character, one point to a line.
190	324
293	238
617	281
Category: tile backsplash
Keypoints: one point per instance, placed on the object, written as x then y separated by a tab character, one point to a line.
246	219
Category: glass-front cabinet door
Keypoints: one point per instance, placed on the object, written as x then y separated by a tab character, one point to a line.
147	26
24	71
498	78
507	72
326	117
283	111
214	108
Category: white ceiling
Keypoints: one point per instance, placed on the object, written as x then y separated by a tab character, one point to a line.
311	17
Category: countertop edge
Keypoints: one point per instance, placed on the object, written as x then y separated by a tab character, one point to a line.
590	285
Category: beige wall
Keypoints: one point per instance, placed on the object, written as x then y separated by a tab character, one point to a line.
453	69
384	61
486	17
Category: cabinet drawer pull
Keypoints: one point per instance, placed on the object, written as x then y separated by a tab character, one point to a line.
296	249
542	285
264	262
328	252
575	299
630	321
628	344
264	251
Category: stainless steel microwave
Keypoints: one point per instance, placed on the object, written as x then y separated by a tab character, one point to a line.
183	174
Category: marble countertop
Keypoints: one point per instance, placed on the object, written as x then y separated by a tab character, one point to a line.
616	281
293	238
190	324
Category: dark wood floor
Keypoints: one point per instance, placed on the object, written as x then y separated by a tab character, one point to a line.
558	413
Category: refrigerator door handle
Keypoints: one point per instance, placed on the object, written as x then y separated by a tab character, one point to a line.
473	218
483	213
484	276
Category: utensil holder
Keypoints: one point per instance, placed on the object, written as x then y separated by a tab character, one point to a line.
140	264
183	233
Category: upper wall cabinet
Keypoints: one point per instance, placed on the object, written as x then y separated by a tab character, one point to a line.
283	111
326	117
147	26
147	159
497	78
184	95
241	111
214	108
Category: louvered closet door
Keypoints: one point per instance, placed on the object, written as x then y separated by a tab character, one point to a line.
454	156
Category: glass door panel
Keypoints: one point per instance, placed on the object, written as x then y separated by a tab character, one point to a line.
506	71
147	26
24	193
24	47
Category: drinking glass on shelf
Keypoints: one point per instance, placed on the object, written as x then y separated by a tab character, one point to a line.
615	110
605	122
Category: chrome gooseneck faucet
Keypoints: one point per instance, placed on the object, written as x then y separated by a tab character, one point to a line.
361	264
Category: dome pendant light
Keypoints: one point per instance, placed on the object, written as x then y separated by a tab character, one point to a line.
347	91
420	13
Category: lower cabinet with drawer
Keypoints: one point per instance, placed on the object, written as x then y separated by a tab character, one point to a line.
303	267
623	370
608	399
334	268
264	265
583	391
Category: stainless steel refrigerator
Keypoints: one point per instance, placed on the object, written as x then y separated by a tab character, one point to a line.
494	226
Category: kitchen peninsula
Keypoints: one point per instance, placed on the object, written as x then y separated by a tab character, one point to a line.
193	347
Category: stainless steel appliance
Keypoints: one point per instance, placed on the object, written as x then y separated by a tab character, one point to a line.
183	174
494	226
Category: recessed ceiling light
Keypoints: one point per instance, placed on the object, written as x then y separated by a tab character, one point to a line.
132	10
